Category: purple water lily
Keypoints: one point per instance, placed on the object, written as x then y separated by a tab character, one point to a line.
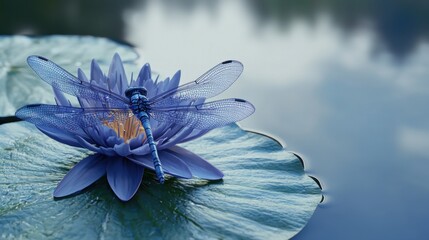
121	145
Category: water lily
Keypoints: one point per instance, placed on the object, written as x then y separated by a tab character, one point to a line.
122	152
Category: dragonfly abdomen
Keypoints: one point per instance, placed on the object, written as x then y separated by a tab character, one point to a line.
144	118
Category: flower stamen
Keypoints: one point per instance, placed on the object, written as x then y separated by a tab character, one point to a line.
126	128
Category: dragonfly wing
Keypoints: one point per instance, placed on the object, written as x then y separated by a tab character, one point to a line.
205	116
210	84
68	118
64	81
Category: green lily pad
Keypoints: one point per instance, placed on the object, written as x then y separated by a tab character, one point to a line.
265	193
20	86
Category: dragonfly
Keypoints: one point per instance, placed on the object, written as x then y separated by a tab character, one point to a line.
184	105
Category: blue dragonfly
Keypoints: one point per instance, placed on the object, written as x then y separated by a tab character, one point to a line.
184	105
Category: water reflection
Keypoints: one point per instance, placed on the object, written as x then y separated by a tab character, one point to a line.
343	82
399	25
96	18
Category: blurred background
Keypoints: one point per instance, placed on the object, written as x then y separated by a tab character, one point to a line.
343	83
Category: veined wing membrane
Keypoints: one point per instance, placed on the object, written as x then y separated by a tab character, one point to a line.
205	116
64	81
70	118
210	84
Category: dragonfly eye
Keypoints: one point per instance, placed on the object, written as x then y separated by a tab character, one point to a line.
131	91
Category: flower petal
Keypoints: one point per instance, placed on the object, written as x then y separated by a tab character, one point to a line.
96	135
83	174
106	132
59	135
144	75
85	144
112	141
163	85
81	75
137	141
174	82
196	133
176	137
60	99
108	151
122	149
198	166
96	73
117	75
171	164
124	177
84	103
160	129
142	150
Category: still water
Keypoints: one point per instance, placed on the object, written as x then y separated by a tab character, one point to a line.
343	83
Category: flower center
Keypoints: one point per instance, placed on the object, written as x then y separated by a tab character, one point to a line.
126	128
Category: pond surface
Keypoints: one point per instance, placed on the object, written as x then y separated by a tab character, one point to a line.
343	83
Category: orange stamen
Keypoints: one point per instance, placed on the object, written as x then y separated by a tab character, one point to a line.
126	128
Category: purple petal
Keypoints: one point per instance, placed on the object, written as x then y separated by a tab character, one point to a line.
166	131
106	132
142	150
160	128
171	164
81	75
196	133
96	73
163	85
177	137
84	103
198	166
144	75
108	151
83	174
154	86
122	149
113	140
137	142
86	144
117	74
60	99
94	134
174	82
124	177
60	136
100	134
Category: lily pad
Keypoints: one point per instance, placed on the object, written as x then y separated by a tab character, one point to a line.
265	193
20	86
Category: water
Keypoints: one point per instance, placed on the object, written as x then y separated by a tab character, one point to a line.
345	84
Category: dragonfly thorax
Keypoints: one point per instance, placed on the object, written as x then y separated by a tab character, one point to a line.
138	99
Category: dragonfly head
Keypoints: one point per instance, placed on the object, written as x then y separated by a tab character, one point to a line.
135	90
